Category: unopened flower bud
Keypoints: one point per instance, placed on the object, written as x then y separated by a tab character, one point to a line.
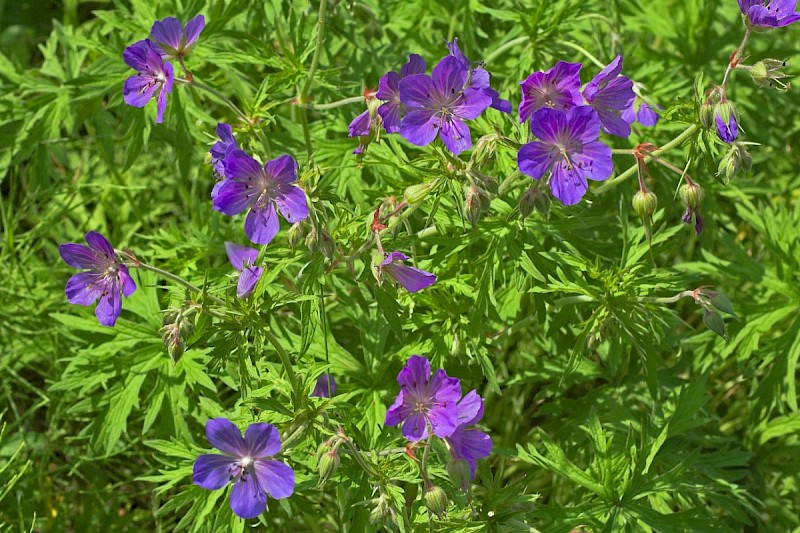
416	194
460	474
319	240
296	233
476	201
436	501
726	122
327	464
737	158
382	511
645	203
769	73
691	194
484	149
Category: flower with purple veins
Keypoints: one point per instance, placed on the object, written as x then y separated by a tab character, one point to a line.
246	464
154	74
438	104
412	279
469	443
222	148
243	259
610	94
569	149
558	88
644	115
106	278
174	40
325	387
392	110
770	13
479	79
249	185
424	401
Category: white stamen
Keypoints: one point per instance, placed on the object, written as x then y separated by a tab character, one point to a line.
246	462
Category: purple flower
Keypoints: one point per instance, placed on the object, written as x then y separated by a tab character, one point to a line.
558	88
325	387
479	79
569	149
645	114
725	119
770	13
413	279
243	258
392	109
423	401
610	94
262	189
439	104
154	74
174	40
105	279
245	463
222	148
469	443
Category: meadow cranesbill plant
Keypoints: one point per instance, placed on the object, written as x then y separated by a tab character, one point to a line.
411	278
222	148
610	94
392	109
557	88
246	463
424	403
468	443
568	147
261	189
154	75
438	105
106	279
174	40
769	13
243	259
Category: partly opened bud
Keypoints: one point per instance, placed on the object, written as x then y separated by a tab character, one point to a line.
691	194
436	501
725	120
645	203
328	463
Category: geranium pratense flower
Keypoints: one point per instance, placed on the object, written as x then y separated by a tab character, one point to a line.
412	279
610	94
439	105
106	278
243	259
246	464
469	443
392	109
424	401
770	13
249	185
558	88
569	149
325	387
479	79
173	39
222	148
154	74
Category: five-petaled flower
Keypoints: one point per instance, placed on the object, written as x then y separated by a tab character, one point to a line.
424	401
106	277
569	149
246	464
438	104
249	185
176	41
224	147
610	94
558	88
325	387
469	443
770	13
243	259
412	279
392	109
154	74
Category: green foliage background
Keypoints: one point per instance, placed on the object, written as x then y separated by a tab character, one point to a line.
608	411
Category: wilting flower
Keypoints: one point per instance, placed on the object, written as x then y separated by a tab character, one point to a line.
106	277
249	185
479	79
154	74
392	110
222	148
469	443
569	149
412	279
174	40
424	401
246	464
725	120
644	115
558	88
770	13
366	126
325	387
610	94
243	259
438	104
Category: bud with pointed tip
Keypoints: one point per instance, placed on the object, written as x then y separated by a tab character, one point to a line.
645	203
416	194
737	158
436	501
328	463
319	240
296	234
476	200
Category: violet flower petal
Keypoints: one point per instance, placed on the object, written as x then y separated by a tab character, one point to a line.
192	30
240	256
262	440
212	471
248	499
168	31
276	478
261	224
248	279
223	435
84	288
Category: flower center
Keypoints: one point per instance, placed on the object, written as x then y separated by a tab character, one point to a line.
246	461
